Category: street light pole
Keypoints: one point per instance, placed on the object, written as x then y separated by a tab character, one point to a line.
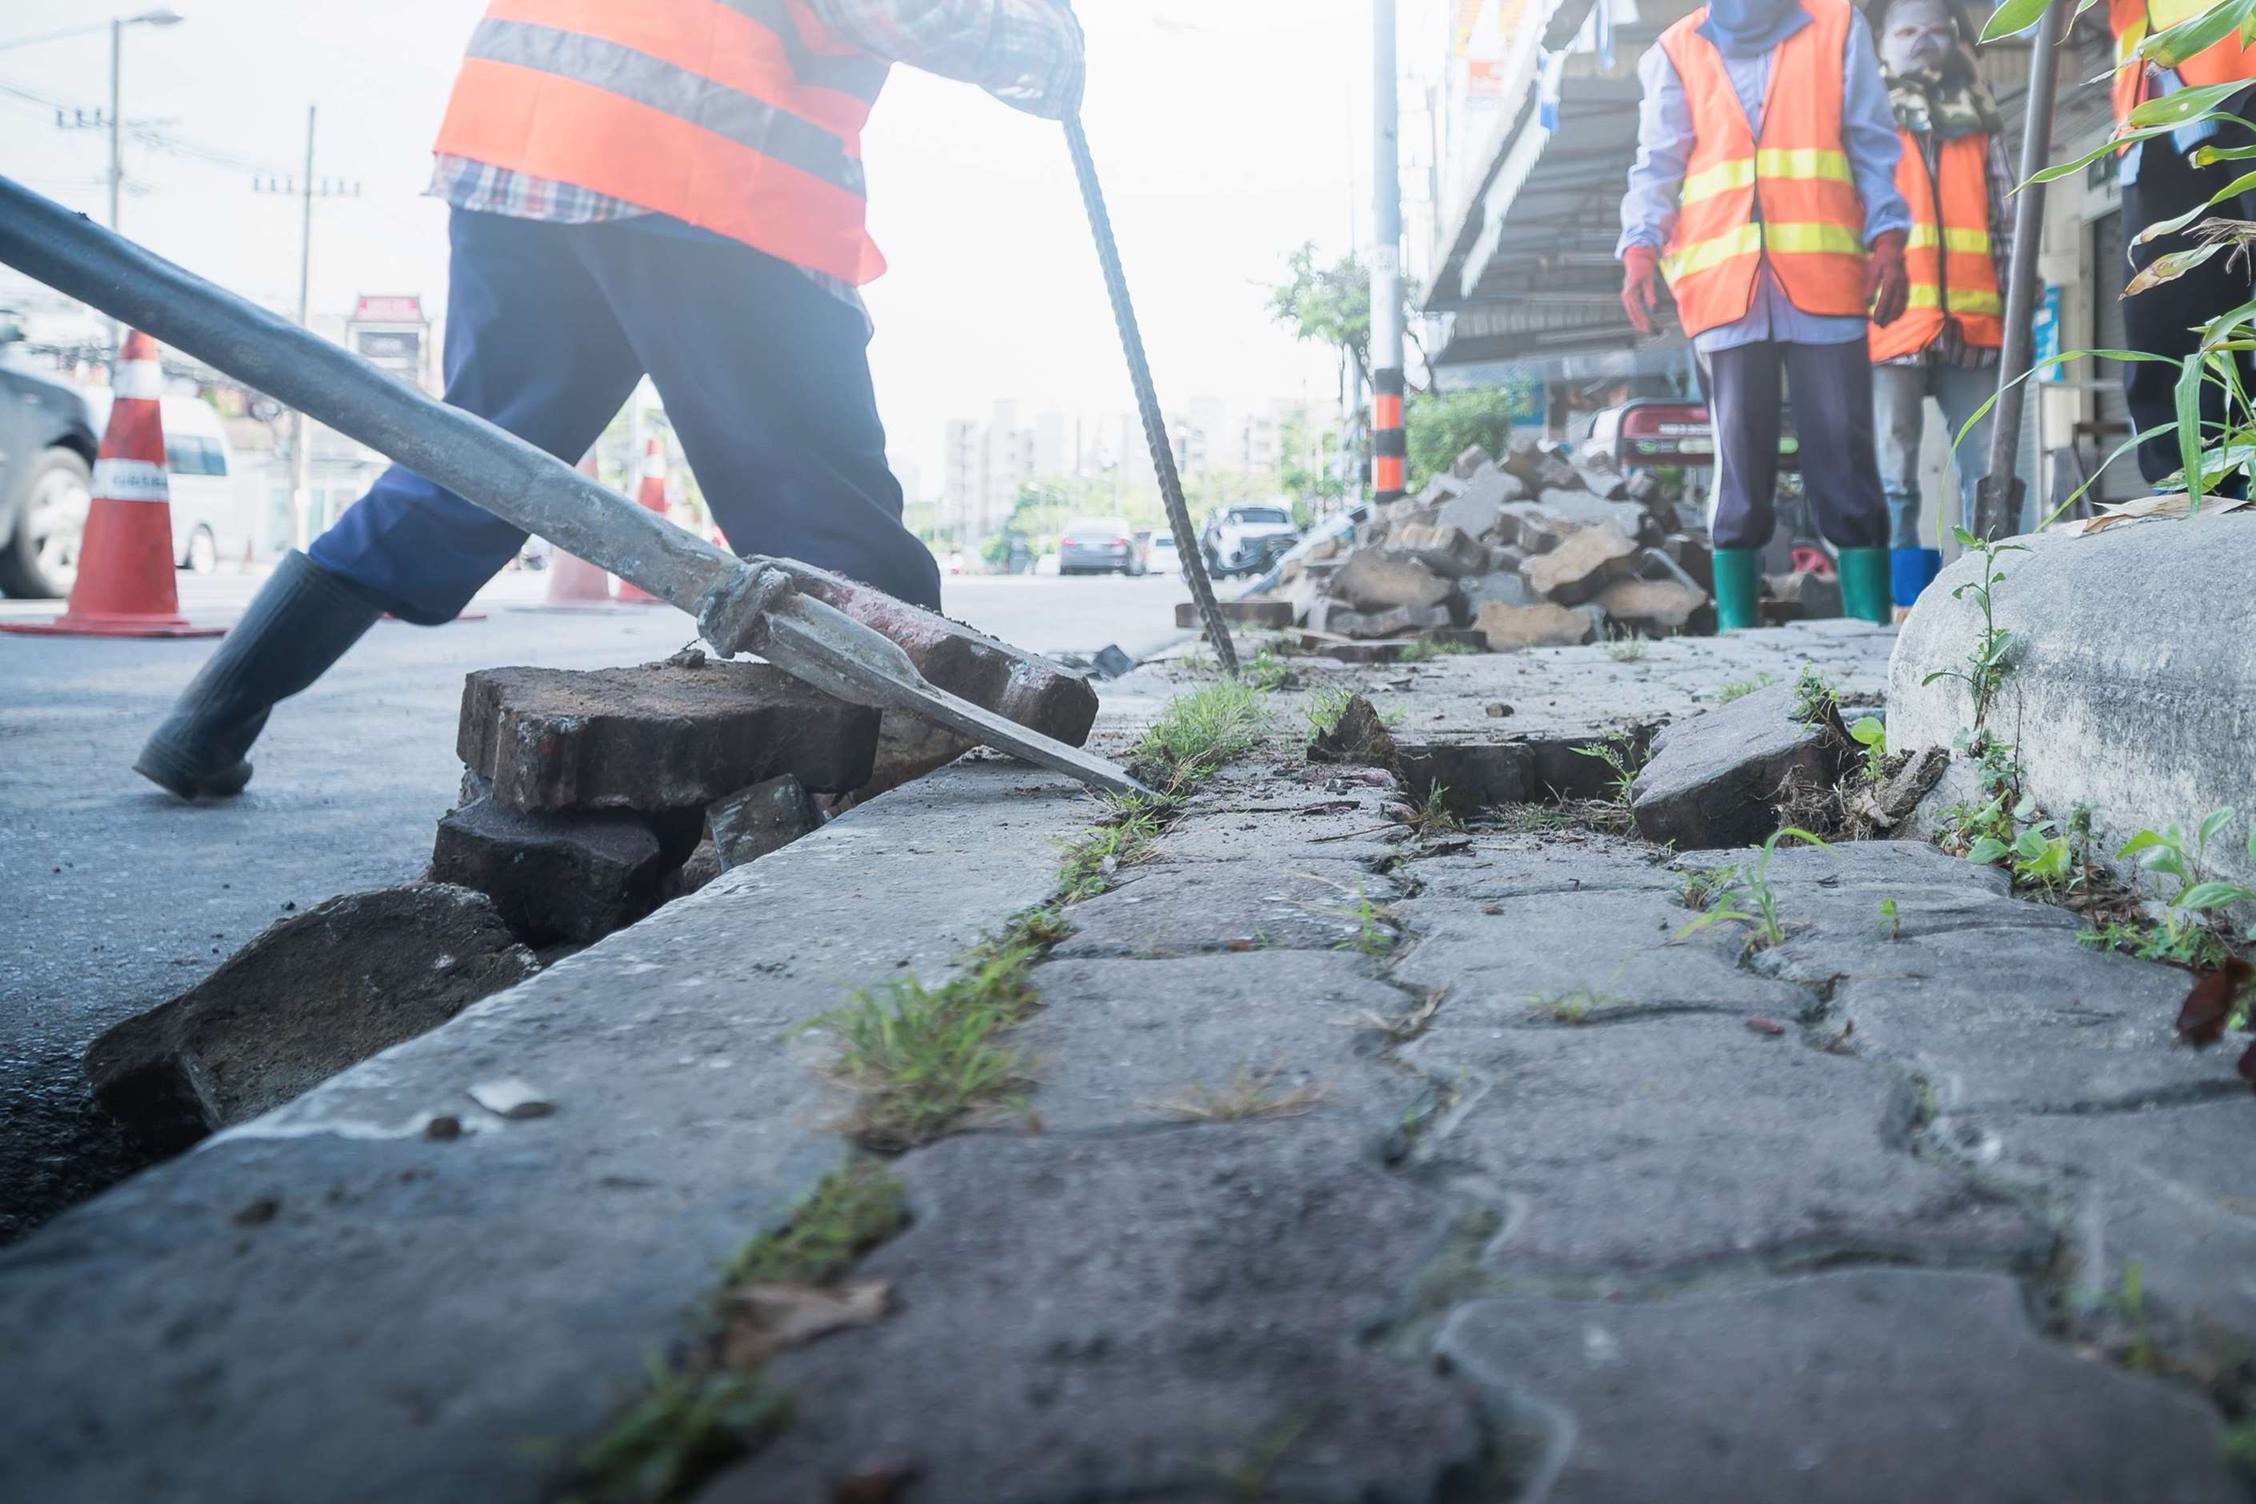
301	470
1389	449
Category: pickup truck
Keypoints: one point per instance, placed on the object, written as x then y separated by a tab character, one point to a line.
47	444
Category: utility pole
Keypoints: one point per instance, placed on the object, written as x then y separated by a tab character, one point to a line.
117	117
307	189
1389	447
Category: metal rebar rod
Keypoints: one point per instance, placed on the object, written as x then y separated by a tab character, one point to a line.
1998	499
1147	401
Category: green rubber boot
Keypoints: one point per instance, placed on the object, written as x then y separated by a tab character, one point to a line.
1738	588
1866	592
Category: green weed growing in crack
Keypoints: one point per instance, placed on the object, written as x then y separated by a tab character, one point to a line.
1747	898
1574	1007
1985	666
1434	817
1427	650
1739	689
1625	758
1268	671
1122	840
2188	932
1199	731
1249	1095
1372	935
1326	707
1815	701
1891	920
1871	733
920	1059
1702	885
711	1407
1625	649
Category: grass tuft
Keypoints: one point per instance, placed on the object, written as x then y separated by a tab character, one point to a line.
1739	689
1247	1096
682	1430
853	1211
1201	730
1092	862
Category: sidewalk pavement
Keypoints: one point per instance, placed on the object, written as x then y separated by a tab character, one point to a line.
1357	1163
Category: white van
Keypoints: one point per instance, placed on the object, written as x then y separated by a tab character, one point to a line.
214	516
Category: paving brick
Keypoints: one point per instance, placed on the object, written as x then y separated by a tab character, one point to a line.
1714	780
1582	565
1252	613
570	878
763	818
663	736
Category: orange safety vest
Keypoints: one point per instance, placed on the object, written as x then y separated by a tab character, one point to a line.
743	117
1789	199
1949	259
2133	21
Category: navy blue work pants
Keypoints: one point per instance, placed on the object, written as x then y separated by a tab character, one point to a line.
1832	396
765	378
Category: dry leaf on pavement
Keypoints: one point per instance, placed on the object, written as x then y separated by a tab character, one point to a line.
763	1320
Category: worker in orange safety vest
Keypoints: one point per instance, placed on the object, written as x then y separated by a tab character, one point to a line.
1764	193
2162	178
1954	177
661	187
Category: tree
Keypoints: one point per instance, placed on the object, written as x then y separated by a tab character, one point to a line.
1442	425
1329	305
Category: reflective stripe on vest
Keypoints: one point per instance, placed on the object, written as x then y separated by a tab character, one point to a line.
1788	199
740	116
2133	21
1948	257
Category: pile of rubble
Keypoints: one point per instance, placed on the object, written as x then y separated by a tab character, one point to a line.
1534	550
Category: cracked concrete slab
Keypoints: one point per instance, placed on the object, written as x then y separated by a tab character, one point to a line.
1494	867
385	1291
1157	1315
1870	1386
1628	1151
1123	1043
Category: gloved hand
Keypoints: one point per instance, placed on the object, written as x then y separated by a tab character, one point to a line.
1641	286
1887	287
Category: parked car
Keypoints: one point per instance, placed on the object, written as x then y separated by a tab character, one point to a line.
47	444
1163	557
1246	539
1656	431
1099	545
214	513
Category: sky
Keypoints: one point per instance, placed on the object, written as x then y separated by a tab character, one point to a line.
1227	132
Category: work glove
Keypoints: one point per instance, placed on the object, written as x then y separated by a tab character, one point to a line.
1887	287
1641	287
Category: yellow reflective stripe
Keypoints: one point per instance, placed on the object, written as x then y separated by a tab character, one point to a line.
1721	178
1972	242
1923	295
1798	162
1803	162
1705	255
1837	240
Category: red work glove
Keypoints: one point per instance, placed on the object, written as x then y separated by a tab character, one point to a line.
1641	286
1887	287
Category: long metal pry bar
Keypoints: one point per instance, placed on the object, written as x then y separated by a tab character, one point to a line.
741	605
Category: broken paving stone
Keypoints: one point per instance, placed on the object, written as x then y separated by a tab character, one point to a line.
1189	1307
1202	907
1714	779
1656	608
761	819
1401	621
1253	612
1538	466
1608	485
1447	551
1583	563
1360	737
1527	527
657	737
1470	461
1508	628
313	995
1719	1149
571	878
1369	581
1739	1395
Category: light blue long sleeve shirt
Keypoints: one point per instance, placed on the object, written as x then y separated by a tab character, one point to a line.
1664	145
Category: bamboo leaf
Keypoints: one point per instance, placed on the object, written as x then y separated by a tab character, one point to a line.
2210	156
2195	34
2011	17
2182	107
2189	426
2171	265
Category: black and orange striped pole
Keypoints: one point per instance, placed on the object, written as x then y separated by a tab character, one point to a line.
1389	442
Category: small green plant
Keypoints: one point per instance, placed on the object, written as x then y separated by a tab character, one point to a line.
1625	649
1815	703
2188	931
1325	708
1702	884
1574	1007
1871	733
921	1058
853	1211
1372	936
1247	1096
1739	689
1985	666
2240	1445
1434	816
2129	1302
1747	898
1268	671
1202	729
1891	919
1426	650
1625	758
685	1427
1091	862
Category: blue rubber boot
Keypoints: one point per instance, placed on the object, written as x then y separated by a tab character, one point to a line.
1910	572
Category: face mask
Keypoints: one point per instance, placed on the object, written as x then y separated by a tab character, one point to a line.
1919	39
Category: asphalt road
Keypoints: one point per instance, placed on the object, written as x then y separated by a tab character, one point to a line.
113	897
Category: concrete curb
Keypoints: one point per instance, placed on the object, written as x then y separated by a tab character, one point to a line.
337	1301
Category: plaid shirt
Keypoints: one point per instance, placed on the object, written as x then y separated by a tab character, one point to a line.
1027	53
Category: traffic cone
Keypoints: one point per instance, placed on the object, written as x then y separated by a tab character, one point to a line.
574	584
125	585
653	496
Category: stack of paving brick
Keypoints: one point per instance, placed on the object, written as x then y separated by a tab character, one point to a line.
591	797
1531	551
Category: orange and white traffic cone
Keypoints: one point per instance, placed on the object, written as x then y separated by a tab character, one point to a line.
125	585
573	583
652	495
